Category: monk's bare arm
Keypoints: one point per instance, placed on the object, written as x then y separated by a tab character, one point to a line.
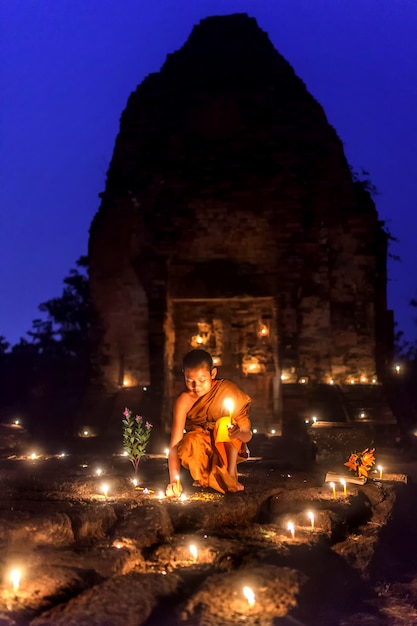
240	428
244	434
181	406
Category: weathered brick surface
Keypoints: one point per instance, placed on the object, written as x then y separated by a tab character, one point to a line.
229	199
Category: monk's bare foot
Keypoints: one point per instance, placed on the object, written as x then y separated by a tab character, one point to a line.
239	487
197	483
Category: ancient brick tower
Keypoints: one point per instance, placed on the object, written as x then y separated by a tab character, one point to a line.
230	221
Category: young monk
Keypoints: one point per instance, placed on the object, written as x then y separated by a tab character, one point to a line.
214	440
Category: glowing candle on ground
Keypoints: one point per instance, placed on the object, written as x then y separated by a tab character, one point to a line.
166	452
343	482
183	497
290	527
105	490
249	595
380	471
333	487
99	471
310	516
15	578
194	551
135	482
161	495
229	406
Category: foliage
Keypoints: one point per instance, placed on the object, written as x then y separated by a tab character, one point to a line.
360	463
51	367
136	435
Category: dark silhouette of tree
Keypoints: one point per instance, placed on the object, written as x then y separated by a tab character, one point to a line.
46	377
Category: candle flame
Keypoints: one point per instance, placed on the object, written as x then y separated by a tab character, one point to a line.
194	551
249	595
290	527
161	495
15	578
135	482
183	497
229	405
105	490
310	516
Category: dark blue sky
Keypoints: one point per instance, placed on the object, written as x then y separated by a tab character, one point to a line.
67	68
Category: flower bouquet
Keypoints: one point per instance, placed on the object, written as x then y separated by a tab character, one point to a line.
360	463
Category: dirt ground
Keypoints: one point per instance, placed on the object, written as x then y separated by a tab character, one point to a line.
124	557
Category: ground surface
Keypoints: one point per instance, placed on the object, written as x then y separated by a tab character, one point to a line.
91	560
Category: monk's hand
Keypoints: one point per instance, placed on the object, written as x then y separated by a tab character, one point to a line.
234	430
174	489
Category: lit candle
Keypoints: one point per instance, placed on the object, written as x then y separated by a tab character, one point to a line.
380	471
15	578
249	595
229	405
183	497
135	482
166	452
333	486
343	482
161	495
177	478
99	471
291	528
105	490
194	551
311	518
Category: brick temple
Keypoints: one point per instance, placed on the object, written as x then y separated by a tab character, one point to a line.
230	220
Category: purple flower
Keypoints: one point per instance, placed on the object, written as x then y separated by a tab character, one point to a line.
138	417
126	412
148	425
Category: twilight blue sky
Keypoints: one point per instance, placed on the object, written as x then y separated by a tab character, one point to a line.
67	68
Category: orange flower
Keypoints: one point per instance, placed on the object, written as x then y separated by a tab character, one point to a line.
361	463
352	463
362	471
368	458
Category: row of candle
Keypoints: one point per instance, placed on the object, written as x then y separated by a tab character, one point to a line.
291	527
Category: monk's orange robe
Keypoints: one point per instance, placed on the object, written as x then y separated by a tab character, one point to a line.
202	449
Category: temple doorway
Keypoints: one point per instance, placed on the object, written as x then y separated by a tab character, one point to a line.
241	335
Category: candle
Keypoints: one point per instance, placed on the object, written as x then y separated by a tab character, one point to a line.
161	495
311	518
183	497
105	490
194	551
249	595
333	486
135	482
177	478
380	471
229	405
15	578
290	527
343	482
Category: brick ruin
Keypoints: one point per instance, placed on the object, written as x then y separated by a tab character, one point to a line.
230	220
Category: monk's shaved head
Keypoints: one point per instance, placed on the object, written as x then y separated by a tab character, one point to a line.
197	358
